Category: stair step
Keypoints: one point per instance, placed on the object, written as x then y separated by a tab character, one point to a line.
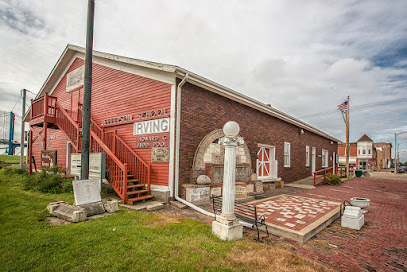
132	180
136	199
137	192
135	186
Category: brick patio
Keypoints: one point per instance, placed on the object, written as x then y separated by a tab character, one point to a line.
381	245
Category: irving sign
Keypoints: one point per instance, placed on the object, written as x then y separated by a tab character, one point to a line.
152	126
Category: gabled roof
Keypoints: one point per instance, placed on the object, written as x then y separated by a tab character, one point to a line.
365	138
177	72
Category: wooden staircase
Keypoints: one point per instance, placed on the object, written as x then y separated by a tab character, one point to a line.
126	172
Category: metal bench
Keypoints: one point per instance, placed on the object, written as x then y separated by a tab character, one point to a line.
244	212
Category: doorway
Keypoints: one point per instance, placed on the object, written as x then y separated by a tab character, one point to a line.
314	158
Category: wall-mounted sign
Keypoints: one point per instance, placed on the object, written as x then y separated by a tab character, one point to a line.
130	117
75	79
152	126
48	158
152	141
160	154
97	165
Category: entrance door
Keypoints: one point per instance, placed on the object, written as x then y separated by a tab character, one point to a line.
74	105
266	162
314	158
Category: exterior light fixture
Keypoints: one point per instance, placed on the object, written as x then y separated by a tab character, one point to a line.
301	131
231	128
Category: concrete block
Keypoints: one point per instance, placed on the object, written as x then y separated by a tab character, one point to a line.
111	206
154	207
161	195
278	184
231	232
353	218
259	187
178	204
52	206
93	208
69	213
198	194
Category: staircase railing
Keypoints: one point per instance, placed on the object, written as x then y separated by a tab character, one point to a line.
116	171
68	126
136	166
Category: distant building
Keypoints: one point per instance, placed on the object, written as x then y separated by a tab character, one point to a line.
362	154
383	150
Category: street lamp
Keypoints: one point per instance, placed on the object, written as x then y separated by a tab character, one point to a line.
226	226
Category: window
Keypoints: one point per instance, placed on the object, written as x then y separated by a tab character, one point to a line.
364	151
307	156
324	158
359	151
286	154
369	151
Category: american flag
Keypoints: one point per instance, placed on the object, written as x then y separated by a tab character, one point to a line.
343	106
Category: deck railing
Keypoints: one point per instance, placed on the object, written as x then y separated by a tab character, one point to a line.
341	172
322	174
44	104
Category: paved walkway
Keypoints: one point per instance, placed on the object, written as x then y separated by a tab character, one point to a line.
381	244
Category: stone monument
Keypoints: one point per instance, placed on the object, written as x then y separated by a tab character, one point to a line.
226	226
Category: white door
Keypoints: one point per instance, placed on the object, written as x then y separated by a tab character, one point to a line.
334	162
266	162
314	158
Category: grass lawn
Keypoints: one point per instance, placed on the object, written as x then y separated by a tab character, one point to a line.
125	241
10	158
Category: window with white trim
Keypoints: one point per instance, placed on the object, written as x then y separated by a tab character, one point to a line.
307	155
287	154
324	158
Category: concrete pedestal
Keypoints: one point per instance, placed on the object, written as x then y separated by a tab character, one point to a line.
227	230
353	218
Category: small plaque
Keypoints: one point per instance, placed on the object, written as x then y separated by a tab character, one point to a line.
160	154
216	191
86	191
48	158
240	191
75	79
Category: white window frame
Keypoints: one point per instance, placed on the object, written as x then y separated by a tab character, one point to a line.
287	153
307	155
325	157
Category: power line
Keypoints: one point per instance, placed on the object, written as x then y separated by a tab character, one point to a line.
382	103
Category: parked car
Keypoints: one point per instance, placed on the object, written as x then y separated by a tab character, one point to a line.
402	169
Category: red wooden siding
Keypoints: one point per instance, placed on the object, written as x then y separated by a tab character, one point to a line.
114	94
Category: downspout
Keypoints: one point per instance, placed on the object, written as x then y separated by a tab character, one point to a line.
177	144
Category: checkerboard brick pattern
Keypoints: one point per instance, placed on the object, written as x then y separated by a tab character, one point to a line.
292	211
381	244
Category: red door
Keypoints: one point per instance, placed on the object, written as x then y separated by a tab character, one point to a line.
74	105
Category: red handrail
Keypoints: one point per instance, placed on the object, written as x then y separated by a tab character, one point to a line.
324	171
68	126
116	171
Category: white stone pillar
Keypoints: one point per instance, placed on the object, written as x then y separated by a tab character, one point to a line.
226	226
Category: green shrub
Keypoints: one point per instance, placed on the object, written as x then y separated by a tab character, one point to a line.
332	179
48	181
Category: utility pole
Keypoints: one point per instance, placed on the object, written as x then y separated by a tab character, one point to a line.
11	134
347	140
22	130
87	92
395	153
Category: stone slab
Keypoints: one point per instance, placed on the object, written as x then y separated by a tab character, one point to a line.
111	206
161	195
178	204
155	207
70	213
198	194
93	208
86	191
139	206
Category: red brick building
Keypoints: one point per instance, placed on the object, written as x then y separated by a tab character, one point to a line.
159	125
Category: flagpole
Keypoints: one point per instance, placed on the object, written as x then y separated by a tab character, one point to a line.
347	139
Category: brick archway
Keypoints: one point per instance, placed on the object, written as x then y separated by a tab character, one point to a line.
209	151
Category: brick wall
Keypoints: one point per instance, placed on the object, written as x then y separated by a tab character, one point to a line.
203	111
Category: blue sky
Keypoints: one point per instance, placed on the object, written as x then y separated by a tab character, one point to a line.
302	57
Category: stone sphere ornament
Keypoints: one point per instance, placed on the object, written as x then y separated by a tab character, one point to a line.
203	180
231	128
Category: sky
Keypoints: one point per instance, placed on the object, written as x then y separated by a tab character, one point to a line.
302	57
